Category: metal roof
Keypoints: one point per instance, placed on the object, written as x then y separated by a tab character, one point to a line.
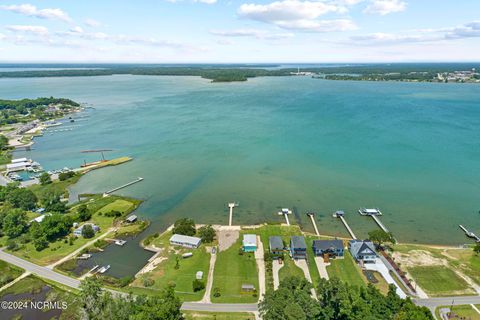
327	244
275	242
249	240
180	238
298	242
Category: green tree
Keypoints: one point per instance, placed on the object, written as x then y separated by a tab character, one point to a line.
15	223
87	231
56	226
3	142
207	233
22	198
40	243
185	226
379	237
198	285
45	179
476	249
66	175
83	213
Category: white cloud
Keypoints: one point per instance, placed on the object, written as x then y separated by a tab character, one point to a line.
206	1
36	30
225	42
32	11
92	23
384	7
259	34
299	15
468	30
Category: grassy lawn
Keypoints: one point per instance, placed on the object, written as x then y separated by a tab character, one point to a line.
166	273
346	270
439	280
462	312
56	187
467	261
34	285
312	267
289	269
8	272
231	271
197	315
61	247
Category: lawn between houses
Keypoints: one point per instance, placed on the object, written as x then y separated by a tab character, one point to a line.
166	273
59	249
232	269
346	270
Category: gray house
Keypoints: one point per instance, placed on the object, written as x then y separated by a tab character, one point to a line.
276	245
298	247
362	251
334	248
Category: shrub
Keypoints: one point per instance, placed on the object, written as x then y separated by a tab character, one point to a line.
87	231
66	175
216	292
148	282
113	213
198	285
12	245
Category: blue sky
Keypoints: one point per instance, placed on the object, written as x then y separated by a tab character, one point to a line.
226	31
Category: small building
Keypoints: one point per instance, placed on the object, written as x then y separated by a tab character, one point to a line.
185	241
199	275
334	248
131	218
18	166
246	287
187	255
276	245
19	160
362	251
298	247
78	232
39	219
249	242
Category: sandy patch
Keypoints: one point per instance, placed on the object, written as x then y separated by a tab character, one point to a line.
416	258
226	238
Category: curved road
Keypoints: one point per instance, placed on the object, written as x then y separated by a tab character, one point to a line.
47	273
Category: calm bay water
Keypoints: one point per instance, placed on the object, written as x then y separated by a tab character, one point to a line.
411	149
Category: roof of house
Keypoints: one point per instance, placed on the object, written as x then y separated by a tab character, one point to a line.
298	242
18	165
249	240
275	242
327	244
131	218
180	238
358	247
19	160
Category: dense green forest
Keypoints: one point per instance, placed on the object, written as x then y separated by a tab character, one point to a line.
227	73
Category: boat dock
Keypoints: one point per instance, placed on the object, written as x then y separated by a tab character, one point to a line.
312	217
341	216
380	224
123	186
470	234
231	205
285	212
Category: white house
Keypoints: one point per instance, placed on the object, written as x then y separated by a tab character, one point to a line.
362	251
185	241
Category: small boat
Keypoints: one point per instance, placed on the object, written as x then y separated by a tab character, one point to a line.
104	269
120	242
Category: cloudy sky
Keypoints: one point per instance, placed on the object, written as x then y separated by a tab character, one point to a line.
223	31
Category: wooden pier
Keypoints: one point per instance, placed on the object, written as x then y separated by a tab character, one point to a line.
285	212
123	186
312	217
380	224
470	234
340	215
231	205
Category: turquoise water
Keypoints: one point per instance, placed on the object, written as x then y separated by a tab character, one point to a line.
411	149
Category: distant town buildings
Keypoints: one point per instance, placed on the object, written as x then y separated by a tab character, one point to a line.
459	76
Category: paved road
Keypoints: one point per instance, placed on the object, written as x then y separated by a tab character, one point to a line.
259	256
433	303
220	307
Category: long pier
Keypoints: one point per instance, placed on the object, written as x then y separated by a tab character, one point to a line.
231	205
312	217
380	224
340	214
470	234
124	186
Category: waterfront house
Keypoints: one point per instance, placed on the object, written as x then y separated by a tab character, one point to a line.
131	218
185	241
276	245
249	242
362	251
334	248
78	232
298	247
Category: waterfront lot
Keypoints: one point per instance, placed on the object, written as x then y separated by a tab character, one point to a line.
289	269
61	248
8	272
462	312
181	275
346	270
232	269
440	271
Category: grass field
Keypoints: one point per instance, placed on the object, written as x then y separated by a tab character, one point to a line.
462	312
289	269
346	270
312	267
231	271
61	247
57	187
467	261
197	315
33	284
8	272
439	280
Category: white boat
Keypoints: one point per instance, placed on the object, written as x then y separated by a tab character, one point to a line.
370	212
104	269
120	242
